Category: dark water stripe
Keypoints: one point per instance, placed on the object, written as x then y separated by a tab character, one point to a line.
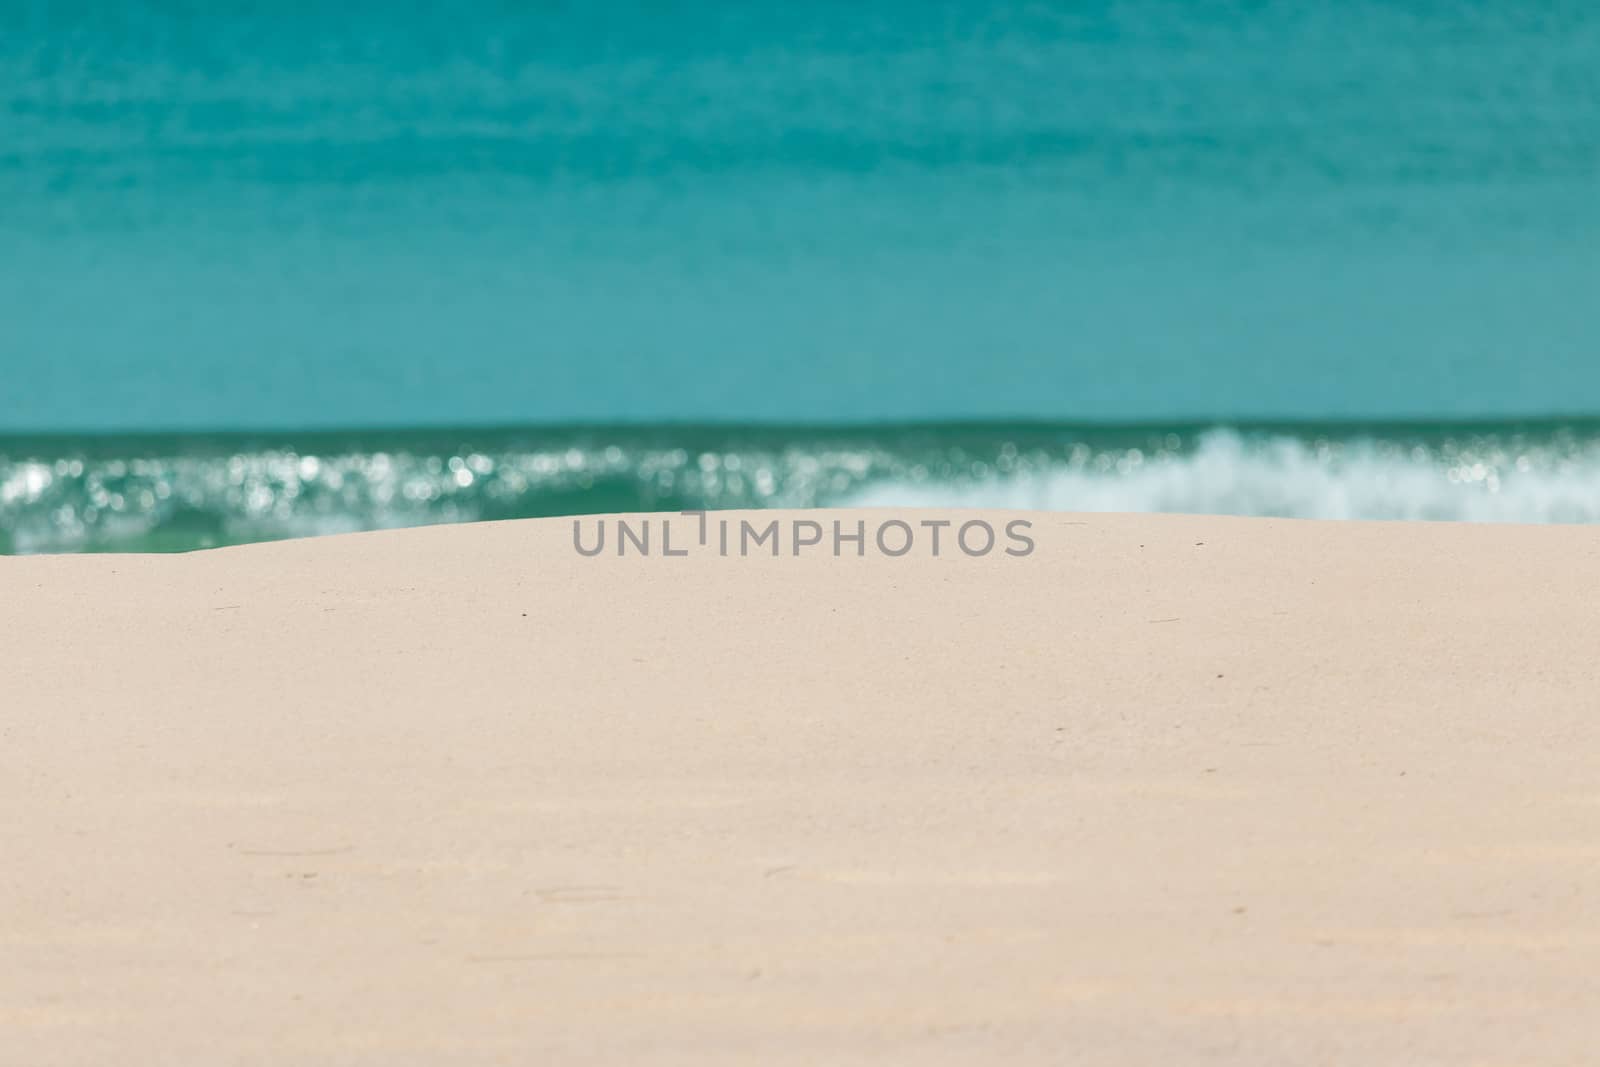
155	492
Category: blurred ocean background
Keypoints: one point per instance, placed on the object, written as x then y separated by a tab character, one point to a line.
278	269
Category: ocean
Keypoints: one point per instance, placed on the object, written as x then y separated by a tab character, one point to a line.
271	270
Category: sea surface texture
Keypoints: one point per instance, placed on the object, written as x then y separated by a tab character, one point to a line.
1346	255
167	493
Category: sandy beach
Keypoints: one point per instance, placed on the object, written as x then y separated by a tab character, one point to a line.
1165	790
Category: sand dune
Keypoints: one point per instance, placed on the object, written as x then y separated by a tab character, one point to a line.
1164	790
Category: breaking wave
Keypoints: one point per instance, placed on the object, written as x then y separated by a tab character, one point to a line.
179	493
1230	474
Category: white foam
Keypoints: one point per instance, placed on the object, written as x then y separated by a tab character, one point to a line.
1281	476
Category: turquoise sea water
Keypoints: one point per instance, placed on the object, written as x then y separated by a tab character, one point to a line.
1360	238
173	492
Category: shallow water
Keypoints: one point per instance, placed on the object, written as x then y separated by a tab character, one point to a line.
399	214
191	491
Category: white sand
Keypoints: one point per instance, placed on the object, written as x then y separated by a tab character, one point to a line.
1304	793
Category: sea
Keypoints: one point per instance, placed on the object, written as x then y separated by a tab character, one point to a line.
271	270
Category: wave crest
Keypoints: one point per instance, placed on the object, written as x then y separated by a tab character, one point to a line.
191	493
1231	474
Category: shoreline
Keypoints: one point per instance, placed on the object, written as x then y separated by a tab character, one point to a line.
1166	787
136	494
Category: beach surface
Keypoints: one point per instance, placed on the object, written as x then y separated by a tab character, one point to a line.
1165	790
